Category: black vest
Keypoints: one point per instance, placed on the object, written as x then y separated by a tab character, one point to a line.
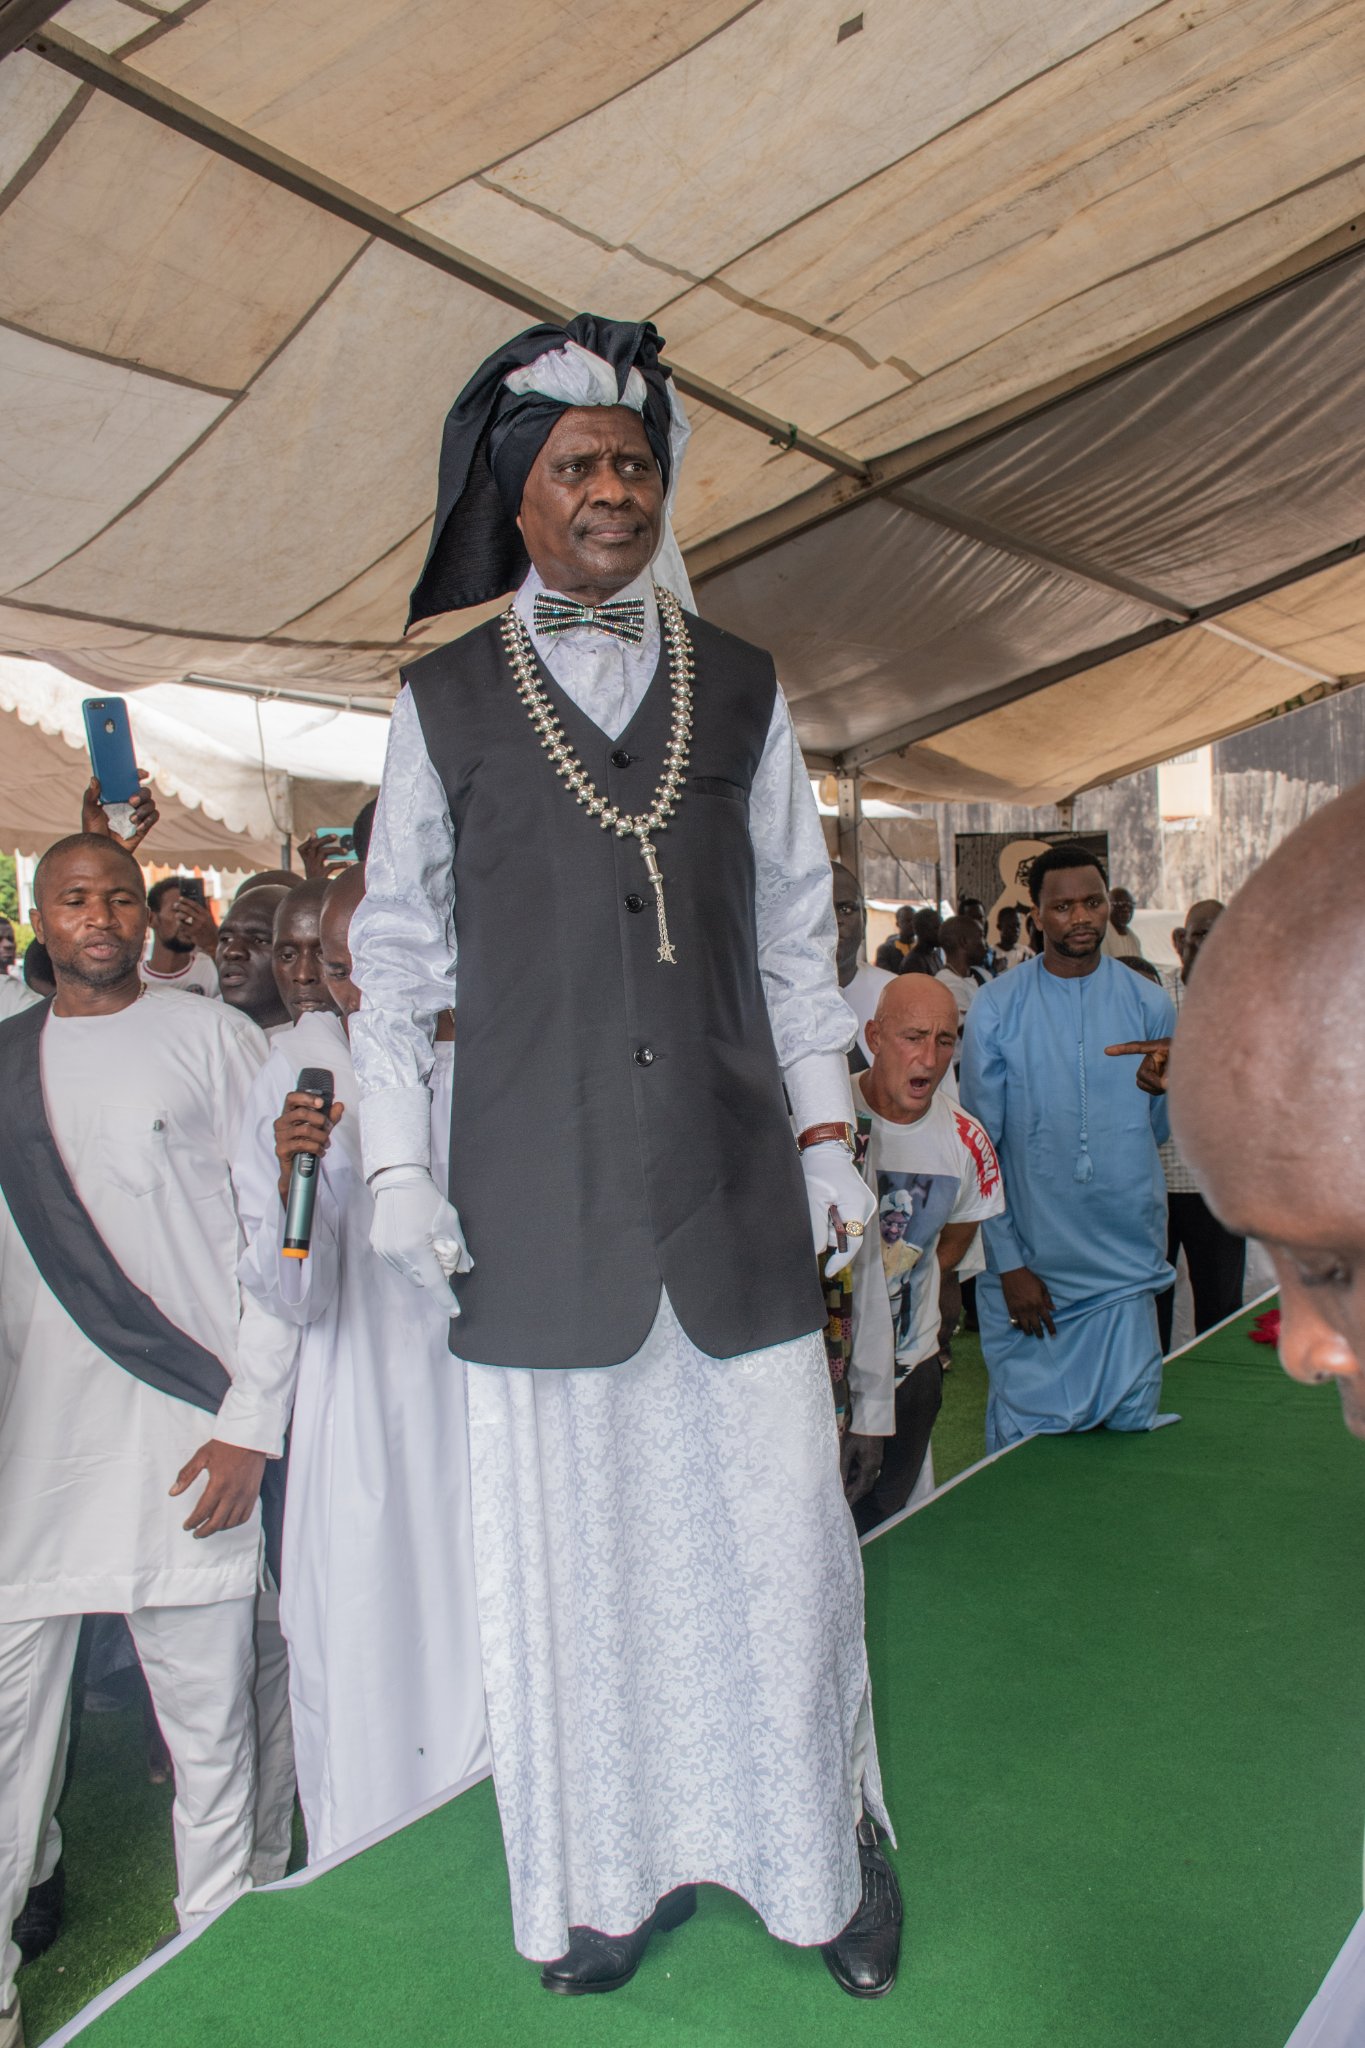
619	1123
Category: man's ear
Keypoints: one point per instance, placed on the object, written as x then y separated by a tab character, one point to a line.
1178	941
35	918
873	1035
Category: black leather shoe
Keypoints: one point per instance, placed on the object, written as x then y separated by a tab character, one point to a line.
863	1959
604	1962
40	1921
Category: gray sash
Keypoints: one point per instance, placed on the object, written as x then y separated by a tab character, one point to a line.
78	1266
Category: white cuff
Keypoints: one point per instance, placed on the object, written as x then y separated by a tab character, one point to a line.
250	1424
873	1410
819	1090
395	1129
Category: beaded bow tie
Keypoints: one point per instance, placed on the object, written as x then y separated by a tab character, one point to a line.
624	617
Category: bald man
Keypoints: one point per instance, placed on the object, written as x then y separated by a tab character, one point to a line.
377	1589
935	1176
1293	1180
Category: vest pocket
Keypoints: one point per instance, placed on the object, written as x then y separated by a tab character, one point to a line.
133	1145
716	785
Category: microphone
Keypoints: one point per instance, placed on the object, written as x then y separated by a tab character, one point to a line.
303	1174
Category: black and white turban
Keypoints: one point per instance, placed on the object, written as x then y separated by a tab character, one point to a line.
498	426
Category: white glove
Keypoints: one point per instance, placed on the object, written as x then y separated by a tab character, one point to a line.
416	1231
833	1181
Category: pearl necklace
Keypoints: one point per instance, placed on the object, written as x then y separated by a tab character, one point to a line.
644	824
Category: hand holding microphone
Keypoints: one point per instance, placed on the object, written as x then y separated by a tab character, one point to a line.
303	1132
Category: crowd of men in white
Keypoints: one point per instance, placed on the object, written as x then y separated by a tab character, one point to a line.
179	1120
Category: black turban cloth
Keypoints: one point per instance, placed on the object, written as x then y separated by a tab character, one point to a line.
491	440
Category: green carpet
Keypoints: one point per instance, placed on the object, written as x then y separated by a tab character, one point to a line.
1119	1684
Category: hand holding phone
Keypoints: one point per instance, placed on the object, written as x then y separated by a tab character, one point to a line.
126	824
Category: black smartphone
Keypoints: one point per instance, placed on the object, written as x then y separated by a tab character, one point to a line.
191	886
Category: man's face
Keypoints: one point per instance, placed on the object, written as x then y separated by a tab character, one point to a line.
297	958
1121	908
851	920
1266	1178
592	510
910	1055
905	922
1198	925
893	1225
246	973
8	948
92	917
974	908
168	924
335	930
1009	930
1072	912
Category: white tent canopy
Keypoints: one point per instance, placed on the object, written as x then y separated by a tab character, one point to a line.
251	248
232	778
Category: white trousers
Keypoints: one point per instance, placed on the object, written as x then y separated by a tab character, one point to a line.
199	1665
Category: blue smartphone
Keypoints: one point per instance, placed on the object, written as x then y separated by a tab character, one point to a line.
110	740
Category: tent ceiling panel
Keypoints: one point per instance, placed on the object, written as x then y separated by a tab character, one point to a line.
1195	471
874	235
1319	622
108	24
795	374
881	608
126	657
1142	151
1109	721
776	118
298	451
403	98
568	264
33	97
81	437
202	279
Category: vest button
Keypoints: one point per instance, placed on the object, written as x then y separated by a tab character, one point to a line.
644	1055
620	759
634	902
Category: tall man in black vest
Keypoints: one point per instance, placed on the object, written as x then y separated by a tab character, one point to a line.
596	801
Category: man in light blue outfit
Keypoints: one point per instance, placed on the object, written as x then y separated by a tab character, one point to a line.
1067	1305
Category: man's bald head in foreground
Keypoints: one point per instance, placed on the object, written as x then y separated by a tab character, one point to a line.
1267	1089
913	1038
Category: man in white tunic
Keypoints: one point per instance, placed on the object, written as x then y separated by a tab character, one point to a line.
599	800
120	1322
377	1599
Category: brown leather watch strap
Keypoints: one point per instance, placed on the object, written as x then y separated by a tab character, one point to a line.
824	1134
